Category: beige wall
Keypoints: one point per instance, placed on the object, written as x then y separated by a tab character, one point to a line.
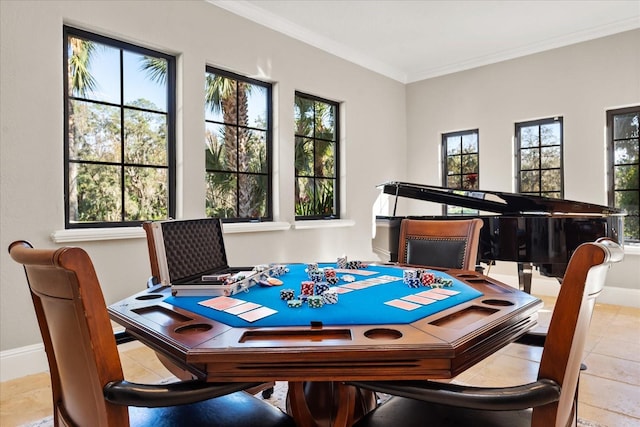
391	132
32	204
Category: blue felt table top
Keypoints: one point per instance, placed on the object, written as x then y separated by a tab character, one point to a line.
358	307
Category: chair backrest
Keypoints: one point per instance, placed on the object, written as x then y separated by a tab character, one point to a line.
76	331
564	345
440	243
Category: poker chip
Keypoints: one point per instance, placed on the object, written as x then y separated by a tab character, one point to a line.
321	287
316	276
315	301
342	262
428	278
447	282
286	294
330	297
294	303
348	278
307	287
412	282
332	280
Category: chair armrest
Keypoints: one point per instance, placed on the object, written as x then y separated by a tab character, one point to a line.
161	395
519	397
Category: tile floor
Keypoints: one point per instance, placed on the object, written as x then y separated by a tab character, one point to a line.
609	389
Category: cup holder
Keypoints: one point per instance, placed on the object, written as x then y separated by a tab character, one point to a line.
497	302
383	334
194	328
148	297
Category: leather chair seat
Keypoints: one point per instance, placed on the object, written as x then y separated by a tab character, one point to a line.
238	409
403	412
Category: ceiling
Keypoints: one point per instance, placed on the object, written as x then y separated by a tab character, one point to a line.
411	40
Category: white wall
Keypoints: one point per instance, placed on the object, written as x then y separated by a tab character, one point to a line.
31	138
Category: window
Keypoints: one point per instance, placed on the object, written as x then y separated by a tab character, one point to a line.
624	161
316	158
461	168
237	147
539	157
119	132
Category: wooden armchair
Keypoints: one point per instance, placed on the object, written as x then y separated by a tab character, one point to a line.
440	243
549	401
86	375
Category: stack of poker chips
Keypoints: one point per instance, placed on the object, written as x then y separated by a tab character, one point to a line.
315	301
442	283
294	303
411	278
330	276
330	297
286	294
307	287
342	262
321	287
427	279
278	270
316	276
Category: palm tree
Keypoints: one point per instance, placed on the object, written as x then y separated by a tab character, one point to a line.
231	98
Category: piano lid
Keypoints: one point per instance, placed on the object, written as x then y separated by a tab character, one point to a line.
494	201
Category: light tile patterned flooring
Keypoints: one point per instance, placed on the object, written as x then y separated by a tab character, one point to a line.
609	389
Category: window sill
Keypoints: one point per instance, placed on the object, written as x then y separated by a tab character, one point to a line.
632	249
329	223
118	233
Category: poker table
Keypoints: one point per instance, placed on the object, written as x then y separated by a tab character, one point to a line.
379	329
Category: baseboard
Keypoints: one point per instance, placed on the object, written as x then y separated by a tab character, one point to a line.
22	361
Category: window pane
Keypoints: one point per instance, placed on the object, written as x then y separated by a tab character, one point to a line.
454	181
220	99
530	181
454	145
470	181
221	198
252	195
626	177
146	193
551	180
252	151
529	137
304	116
221	144
454	165
550	134
145	138
529	159
94	132
550	157
304	156
626	151
145	81
324	197
625	126
470	143
94	70
469	163
304	197
257	106
325	121
324	159
94	193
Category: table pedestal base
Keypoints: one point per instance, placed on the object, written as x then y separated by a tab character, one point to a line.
328	404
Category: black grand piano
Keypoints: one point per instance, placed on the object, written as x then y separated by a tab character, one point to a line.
530	230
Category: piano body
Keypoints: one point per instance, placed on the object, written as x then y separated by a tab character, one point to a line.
529	230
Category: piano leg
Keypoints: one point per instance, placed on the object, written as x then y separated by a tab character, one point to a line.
524	276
